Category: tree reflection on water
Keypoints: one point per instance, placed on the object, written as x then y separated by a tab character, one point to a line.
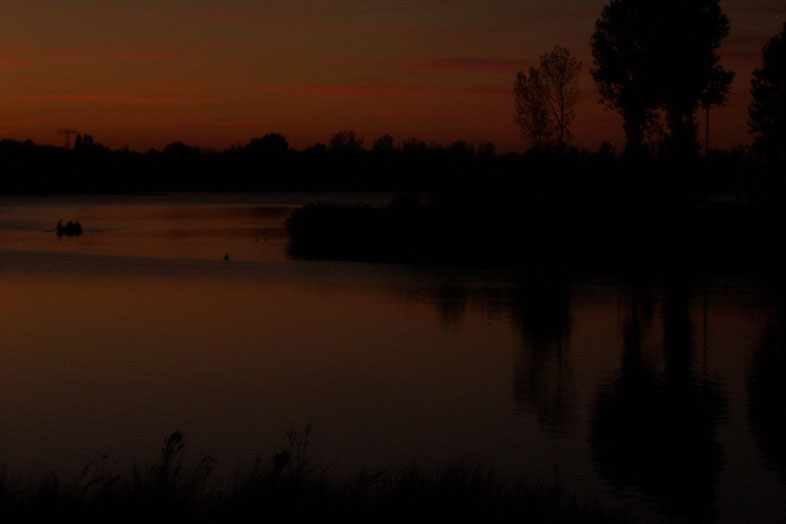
655	431
543	381
767	390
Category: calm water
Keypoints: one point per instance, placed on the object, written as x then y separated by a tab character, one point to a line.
664	397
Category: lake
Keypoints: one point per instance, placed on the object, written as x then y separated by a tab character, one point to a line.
664	397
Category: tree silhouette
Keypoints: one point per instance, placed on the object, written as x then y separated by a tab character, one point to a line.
716	94
545	99
562	73
767	111
687	55
346	141
660	55
84	143
383	144
532	113
622	50
272	144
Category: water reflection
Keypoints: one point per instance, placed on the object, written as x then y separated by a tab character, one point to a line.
387	362
540	310
655	430
544	381
767	390
451	303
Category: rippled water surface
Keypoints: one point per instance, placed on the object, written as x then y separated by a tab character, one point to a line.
661	396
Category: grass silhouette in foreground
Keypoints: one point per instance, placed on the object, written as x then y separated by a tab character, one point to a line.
288	487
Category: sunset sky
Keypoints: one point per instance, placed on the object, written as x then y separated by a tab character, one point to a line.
215	73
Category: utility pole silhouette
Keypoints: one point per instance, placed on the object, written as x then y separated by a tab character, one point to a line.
67	132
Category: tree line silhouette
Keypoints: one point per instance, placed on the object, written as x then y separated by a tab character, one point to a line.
654	62
268	163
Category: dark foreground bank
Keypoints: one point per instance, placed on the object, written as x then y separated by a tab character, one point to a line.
287	487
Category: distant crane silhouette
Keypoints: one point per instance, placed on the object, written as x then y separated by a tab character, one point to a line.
67	132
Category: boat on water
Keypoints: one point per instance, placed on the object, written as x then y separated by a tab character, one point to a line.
71	229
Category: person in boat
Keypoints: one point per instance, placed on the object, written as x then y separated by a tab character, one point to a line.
70	229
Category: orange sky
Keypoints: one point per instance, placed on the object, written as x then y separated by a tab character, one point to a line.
145	73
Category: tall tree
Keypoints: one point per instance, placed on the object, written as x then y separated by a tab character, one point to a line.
767	112
716	94
532	113
562	73
653	56
689	66
622	50
545	99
